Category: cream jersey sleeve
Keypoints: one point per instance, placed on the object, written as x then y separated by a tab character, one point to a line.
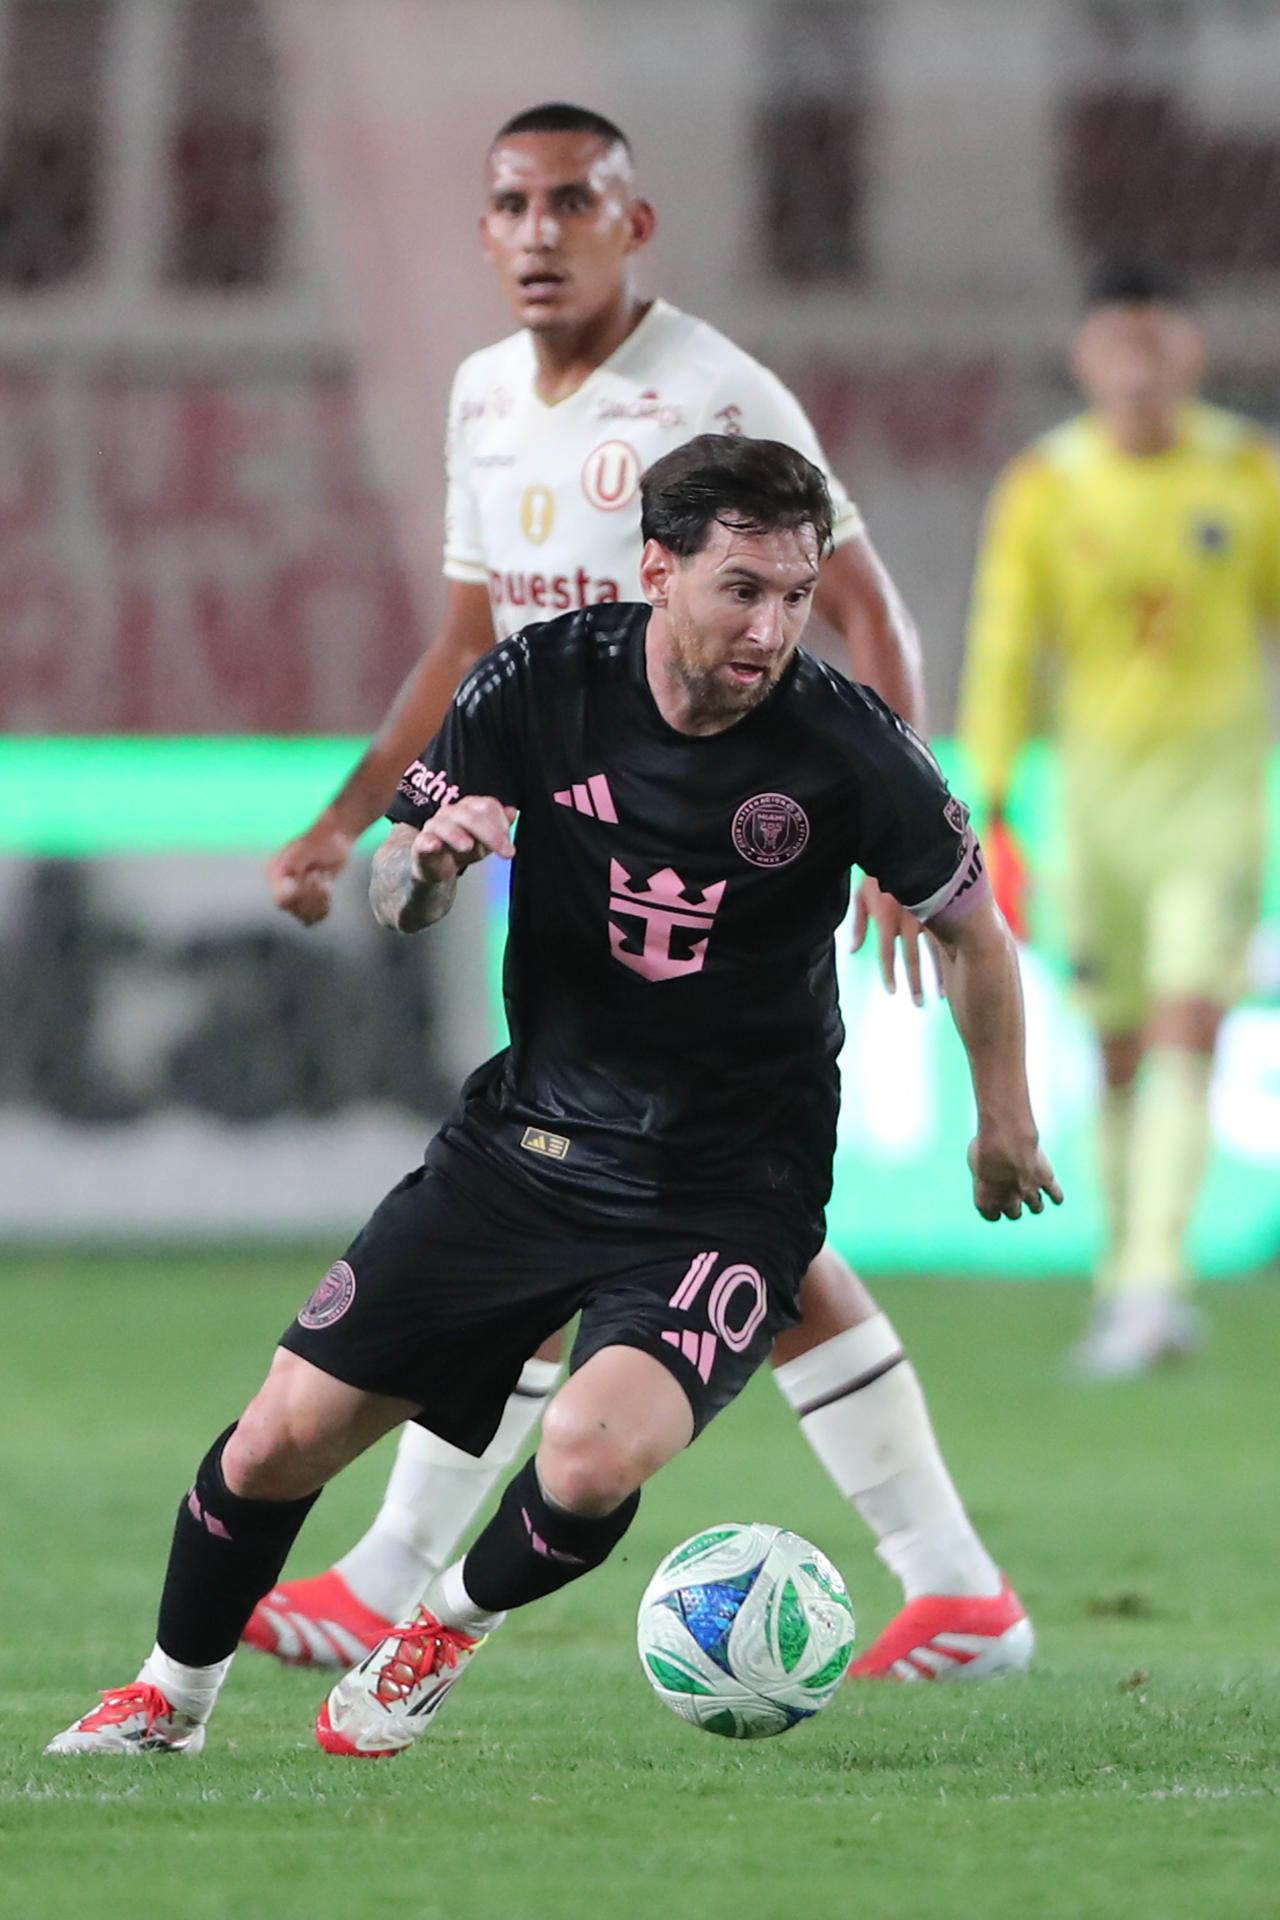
464	550
748	398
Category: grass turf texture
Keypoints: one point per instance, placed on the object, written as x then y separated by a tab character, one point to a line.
1136	1771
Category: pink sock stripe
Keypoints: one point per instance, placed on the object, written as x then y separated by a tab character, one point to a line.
603	798
209	1521
687	1292
540	1546
582	799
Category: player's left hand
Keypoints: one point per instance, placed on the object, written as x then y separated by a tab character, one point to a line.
893	924
1010	1173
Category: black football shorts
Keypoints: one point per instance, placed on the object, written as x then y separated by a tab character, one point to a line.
461	1273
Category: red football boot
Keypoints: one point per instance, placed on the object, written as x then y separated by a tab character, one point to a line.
951	1637
315	1623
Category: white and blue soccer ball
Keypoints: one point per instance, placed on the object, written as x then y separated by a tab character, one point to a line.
745	1630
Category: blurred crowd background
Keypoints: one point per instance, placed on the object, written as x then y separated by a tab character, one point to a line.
238	265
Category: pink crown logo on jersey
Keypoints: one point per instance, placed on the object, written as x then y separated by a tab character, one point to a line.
662	914
665	889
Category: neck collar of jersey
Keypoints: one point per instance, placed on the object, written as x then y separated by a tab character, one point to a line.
616	361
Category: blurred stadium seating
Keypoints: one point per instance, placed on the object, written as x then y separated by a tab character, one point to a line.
237	267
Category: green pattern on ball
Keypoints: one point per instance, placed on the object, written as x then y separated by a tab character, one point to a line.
834	1588
793	1627
828	1676
777	1621
699	1544
674	1679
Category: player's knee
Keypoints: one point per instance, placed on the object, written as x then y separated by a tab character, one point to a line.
1121	1058
588	1483
586	1467
1190	1023
281	1452
832	1300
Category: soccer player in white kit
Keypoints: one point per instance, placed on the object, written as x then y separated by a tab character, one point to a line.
549	433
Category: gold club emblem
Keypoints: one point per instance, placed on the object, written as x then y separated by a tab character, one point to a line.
537	514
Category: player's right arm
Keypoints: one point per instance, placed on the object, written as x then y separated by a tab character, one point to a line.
457	801
302	873
415	870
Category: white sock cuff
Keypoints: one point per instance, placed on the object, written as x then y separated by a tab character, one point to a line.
427	1449
192	1690
449	1602
847	1361
537	1378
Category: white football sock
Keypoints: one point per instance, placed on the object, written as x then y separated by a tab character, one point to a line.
863	1413
448	1601
192	1690
433	1495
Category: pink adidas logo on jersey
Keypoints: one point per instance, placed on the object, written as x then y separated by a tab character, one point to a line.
591	797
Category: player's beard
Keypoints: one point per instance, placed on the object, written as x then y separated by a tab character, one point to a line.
713	698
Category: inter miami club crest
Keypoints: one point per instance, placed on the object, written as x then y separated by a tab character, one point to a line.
770	829
331	1298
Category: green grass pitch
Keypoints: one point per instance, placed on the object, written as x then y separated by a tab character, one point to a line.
1136	1770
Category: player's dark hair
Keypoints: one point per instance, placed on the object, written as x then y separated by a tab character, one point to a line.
1137	283
560	116
753	486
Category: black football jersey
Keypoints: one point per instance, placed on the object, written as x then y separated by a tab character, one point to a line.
670	976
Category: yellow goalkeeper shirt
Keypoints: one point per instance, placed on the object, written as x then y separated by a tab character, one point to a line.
1144	581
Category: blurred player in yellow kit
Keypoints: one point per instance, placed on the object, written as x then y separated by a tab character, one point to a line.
1132	559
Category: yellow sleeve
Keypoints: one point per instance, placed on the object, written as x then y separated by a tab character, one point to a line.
1262	458
1007	618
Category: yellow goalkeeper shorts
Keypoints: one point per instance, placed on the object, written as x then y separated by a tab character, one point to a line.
1165	860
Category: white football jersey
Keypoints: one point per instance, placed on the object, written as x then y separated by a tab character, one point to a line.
544	501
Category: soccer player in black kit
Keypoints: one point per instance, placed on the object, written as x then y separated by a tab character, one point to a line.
654	1147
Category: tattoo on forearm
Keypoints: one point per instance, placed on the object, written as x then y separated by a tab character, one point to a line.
389	882
399	899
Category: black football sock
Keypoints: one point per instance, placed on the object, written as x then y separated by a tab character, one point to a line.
227	1552
531	1548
